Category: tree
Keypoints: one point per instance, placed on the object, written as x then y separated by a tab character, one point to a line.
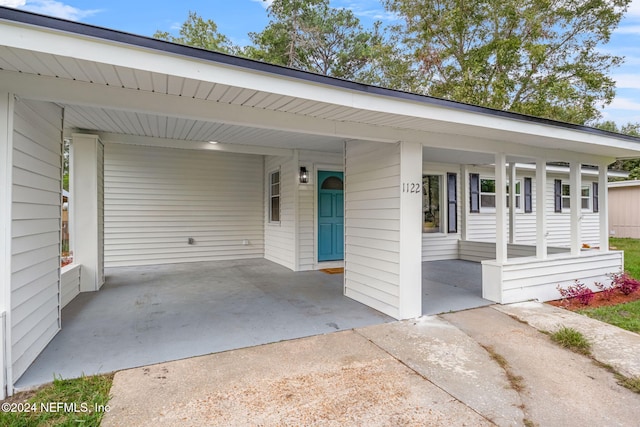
310	35
630	165
197	32
537	57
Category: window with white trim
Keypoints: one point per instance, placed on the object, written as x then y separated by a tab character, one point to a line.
518	195
486	194
585	197
274	196
431	203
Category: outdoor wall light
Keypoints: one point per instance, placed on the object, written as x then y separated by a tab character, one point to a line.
304	175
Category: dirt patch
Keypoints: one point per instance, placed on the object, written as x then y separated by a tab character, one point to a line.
600	299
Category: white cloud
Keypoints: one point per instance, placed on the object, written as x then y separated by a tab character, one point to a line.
627	104
627	81
264	3
371	9
51	8
634	9
628	29
12	3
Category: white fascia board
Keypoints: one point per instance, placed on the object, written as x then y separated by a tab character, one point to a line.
615	184
39	39
585	171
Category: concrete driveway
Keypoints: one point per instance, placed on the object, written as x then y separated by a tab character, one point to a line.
484	366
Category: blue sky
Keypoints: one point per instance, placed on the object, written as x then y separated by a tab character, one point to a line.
235	18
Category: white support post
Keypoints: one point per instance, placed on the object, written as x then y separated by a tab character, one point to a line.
464	197
410	304
575	181
84	208
603	206
541	211
501	209
6	172
512	202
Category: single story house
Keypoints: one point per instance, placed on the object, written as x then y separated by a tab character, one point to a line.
181	154
624	209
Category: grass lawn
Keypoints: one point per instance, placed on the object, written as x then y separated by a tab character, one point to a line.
631	248
625	316
77	402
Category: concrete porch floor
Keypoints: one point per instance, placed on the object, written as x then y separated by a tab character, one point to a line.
451	285
151	314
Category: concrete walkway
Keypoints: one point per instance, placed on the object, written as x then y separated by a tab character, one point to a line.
478	367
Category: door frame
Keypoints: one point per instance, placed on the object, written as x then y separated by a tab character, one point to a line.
316	168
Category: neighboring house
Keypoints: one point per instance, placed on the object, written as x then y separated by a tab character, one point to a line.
624	209
306	171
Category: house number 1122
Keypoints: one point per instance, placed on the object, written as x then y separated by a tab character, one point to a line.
411	187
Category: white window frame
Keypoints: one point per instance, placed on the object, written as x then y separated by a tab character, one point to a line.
441	203
583	187
492	209
519	185
486	209
273	195
587	197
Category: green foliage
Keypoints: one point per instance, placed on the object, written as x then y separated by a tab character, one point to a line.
629	165
65	164
632	384
310	35
572	339
197	32
90	391
539	57
625	316
631	248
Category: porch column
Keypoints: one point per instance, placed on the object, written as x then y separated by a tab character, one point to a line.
575	181
501	210
541	211
86	209
6	173
464	197
383	226
410	231
603	206
512	202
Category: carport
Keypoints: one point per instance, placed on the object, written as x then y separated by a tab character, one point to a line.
152	314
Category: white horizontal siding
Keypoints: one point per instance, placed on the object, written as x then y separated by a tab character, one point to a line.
35	247
69	283
372	225
312	160
481	226
155	199
559	224
280	237
436	247
527	278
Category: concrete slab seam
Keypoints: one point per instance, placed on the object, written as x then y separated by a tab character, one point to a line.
424	377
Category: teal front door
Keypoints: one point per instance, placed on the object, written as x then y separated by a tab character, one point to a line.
330	216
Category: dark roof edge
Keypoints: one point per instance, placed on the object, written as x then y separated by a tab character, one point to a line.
73	27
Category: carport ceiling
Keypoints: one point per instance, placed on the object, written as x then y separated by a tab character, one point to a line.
175	128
